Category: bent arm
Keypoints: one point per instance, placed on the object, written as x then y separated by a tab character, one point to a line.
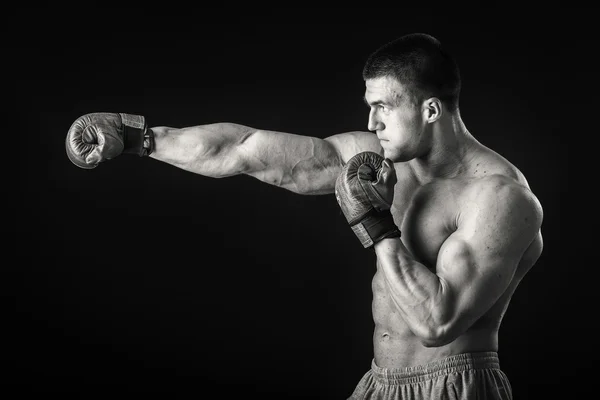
475	265
302	164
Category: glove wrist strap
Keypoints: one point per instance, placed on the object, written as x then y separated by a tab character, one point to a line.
375	227
137	137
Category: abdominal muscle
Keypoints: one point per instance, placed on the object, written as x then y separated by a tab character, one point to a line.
396	346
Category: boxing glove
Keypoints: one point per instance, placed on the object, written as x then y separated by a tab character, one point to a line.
364	191
96	137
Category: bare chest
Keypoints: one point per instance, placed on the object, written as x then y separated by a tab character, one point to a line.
426	216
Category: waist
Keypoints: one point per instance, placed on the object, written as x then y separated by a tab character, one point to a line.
451	364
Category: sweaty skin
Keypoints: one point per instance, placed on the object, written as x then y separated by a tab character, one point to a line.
470	223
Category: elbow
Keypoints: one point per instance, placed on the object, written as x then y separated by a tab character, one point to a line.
216	156
435	336
436	341
219	161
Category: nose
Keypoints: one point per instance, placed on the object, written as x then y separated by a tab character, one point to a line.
374	123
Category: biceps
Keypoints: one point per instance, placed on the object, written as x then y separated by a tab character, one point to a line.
302	164
473	278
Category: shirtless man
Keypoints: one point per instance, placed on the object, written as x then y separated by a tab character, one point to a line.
453	224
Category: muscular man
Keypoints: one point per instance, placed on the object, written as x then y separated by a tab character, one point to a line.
453	224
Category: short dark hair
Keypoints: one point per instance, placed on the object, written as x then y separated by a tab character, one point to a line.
418	62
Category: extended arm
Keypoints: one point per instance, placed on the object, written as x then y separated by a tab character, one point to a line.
475	264
301	164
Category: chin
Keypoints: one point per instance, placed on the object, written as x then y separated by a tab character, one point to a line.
398	156
392	155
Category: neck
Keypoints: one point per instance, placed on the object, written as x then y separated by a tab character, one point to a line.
450	141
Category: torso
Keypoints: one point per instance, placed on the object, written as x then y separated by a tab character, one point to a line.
427	214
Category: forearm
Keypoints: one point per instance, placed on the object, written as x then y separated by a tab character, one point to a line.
418	293
209	150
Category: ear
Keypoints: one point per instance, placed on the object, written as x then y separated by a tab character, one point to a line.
432	109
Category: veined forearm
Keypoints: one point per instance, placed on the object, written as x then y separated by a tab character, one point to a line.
209	150
417	292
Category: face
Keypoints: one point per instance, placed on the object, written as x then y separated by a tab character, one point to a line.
396	120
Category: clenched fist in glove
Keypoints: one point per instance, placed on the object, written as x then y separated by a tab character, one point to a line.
96	137
365	190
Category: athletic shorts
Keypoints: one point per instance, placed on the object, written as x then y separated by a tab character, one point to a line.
460	377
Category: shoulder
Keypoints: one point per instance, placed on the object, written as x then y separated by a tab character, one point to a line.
500	205
500	190
348	144
496	185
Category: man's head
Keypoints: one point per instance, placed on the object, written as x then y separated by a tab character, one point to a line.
420	64
410	82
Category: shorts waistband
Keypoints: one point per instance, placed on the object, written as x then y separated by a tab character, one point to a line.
451	364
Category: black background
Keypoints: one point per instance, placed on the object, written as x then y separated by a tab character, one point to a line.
137	278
